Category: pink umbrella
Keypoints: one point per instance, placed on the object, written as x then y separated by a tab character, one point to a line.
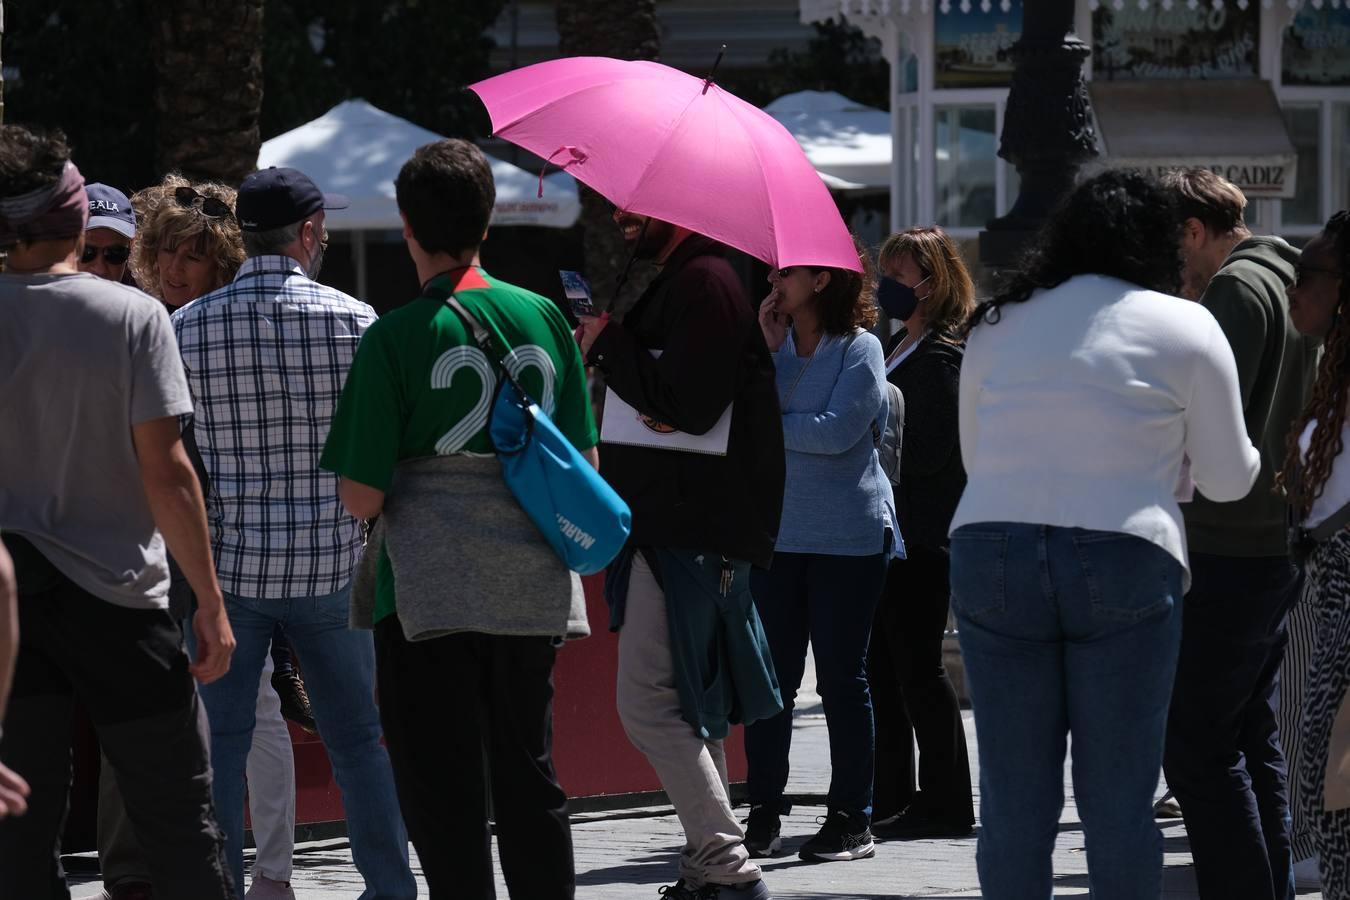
661	143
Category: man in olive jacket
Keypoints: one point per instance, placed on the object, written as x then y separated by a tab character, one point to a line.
699	521
1223	758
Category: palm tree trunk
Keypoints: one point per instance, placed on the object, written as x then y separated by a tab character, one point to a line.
594	28
208	95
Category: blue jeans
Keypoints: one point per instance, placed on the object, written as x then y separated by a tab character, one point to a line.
339	666
1223	758
1066	630
830	601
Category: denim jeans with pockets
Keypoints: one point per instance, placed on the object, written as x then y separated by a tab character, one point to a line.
1067	631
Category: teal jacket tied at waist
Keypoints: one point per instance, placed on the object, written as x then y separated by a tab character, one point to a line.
723	669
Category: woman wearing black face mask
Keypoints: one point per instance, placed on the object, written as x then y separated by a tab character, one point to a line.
926	286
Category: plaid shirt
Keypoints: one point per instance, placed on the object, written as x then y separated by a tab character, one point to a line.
266	357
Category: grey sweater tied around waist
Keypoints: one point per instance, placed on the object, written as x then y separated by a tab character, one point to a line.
466	557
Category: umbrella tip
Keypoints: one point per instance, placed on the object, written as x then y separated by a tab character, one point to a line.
707	82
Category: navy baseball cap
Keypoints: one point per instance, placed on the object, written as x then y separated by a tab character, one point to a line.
110	208
276	197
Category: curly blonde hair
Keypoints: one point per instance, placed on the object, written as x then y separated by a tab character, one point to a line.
162	223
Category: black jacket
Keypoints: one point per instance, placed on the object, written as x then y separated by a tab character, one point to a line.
932	477
697	312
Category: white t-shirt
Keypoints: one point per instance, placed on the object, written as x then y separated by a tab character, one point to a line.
82	360
1079	405
1336	491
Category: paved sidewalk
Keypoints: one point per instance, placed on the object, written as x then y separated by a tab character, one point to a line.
628	855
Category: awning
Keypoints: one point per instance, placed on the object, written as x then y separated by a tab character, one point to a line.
822	10
1233	127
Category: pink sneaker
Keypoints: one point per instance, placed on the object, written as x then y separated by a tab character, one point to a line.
264	888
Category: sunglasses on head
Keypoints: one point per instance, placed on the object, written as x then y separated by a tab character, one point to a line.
211	207
114	256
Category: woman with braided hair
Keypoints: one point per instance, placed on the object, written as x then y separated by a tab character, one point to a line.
1319	491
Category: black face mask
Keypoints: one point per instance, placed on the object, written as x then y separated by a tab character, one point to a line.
897	300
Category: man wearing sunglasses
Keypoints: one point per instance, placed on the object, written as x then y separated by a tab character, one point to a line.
107	239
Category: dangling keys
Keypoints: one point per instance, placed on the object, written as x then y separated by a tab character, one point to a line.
728	573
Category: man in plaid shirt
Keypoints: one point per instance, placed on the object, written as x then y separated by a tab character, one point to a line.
266	357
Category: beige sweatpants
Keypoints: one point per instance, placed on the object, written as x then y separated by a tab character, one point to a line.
692	771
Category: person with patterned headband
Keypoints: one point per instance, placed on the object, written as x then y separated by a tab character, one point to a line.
94	484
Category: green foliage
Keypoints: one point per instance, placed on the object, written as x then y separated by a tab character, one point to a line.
839	58
85	68
88	69
409	57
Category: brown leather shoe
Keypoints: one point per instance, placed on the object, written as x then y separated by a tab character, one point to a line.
294	701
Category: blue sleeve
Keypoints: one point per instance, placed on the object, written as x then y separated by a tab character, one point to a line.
856	401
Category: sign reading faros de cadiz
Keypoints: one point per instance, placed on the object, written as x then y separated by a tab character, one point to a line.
1256	177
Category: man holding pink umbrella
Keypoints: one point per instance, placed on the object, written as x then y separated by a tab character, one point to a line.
706	491
693	434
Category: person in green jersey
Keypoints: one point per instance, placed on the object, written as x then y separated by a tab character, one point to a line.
466	590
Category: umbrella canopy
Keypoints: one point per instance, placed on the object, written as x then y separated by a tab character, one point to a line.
661	143
357	150
848	143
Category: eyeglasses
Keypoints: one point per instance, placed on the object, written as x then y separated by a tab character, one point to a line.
211	207
113	256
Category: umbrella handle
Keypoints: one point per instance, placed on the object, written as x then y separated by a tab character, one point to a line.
578	156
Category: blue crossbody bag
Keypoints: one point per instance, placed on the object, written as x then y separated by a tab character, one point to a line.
578	513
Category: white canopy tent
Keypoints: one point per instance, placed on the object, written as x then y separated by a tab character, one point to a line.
357	150
848	143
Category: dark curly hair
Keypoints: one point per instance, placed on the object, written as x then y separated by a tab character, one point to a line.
849	301
1119	223
30	158
1329	393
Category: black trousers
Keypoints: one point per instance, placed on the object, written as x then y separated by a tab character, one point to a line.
913	698
1223	758
128	668
450	707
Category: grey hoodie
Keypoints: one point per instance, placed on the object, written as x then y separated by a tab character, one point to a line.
1275	367
466	557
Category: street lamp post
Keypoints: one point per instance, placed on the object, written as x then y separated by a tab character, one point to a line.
1047	128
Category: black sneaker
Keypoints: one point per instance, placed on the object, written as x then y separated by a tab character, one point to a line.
762	832
294	700
841	837
680	890
913	825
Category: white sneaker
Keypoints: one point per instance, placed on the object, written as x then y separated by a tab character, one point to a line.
264	888
1307	874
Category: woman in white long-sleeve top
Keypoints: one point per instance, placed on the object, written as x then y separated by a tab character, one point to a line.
1084	390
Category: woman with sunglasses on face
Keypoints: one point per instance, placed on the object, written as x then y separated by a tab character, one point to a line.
188	243
837	536
926	286
1319	492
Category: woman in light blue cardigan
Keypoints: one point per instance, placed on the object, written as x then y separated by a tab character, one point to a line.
837	537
